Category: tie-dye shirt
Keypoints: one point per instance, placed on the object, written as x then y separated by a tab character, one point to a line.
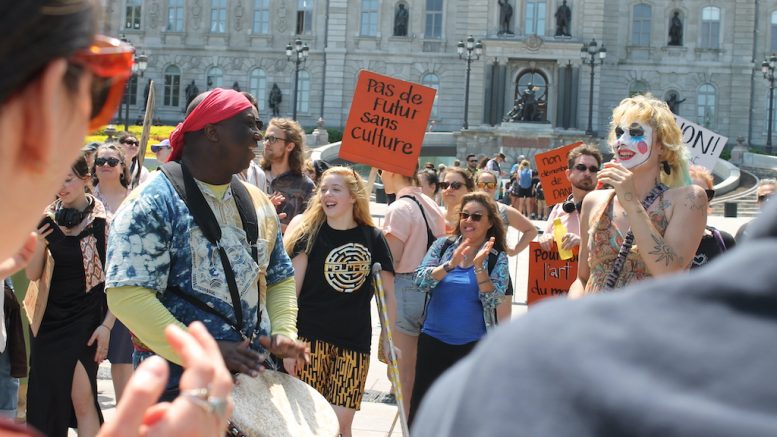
156	244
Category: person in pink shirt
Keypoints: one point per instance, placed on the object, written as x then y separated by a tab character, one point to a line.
584	164
412	223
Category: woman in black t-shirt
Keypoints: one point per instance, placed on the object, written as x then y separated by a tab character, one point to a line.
332	249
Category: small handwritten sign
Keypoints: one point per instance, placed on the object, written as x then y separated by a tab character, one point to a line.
705	145
387	123
551	166
549	275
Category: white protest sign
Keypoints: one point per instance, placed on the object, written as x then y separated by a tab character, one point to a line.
705	145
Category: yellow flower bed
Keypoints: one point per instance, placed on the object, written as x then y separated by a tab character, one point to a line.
157	134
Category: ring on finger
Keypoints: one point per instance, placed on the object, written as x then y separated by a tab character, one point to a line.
211	405
201	393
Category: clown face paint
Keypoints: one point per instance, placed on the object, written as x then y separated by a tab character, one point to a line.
633	144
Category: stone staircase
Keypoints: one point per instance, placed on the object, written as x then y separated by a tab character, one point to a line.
743	196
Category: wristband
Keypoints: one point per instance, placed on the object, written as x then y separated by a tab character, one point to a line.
106	327
480	269
447	267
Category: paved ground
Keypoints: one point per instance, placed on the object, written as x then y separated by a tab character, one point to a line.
377	418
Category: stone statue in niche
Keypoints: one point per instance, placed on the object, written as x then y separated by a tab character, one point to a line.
674	103
563	19
191	92
400	20
526	107
275	100
675	30
505	16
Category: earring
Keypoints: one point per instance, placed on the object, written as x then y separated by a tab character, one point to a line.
667	167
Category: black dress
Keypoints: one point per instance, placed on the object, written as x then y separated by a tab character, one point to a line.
70	318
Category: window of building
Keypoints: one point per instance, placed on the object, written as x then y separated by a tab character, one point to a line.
261	16
705	106
433	81
257	85
433	27
369	22
640	25
215	78
218	16
534	17
638	87
303	92
538	93
710	27
175	15
132	91
172	92
773	32
304	17
133	14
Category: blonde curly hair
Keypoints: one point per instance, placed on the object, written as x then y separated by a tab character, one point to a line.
656	113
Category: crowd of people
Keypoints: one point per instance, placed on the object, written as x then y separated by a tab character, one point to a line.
270	266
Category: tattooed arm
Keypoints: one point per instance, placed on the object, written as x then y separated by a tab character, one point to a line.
672	251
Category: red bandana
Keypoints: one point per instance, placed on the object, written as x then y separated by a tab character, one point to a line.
219	105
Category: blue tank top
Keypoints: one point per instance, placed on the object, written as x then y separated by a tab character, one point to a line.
455	314
524	178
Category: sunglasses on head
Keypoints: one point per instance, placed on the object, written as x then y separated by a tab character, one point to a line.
487	185
112	162
582	167
455	185
476	217
710	194
110	62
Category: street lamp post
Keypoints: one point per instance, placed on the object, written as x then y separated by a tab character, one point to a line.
767	68
139	66
588	55
465	51
300	53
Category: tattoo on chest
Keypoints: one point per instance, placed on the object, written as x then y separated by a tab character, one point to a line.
662	251
628	197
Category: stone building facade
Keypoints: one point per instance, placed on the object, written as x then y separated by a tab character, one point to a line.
713	69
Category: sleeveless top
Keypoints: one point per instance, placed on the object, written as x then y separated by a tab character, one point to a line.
503	214
604	242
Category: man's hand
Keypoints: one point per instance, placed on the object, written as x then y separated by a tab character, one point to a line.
239	358
284	347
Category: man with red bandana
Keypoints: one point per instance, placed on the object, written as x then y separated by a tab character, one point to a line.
160	265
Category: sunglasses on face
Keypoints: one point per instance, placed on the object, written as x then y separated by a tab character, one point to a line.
764	197
156	149
710	194
582	168
269	139
134	143
110	62
112	162
455	185
487	185
476	217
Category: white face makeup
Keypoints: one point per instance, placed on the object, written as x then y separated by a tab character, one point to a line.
633	144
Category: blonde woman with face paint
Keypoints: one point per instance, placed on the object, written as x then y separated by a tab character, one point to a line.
651	221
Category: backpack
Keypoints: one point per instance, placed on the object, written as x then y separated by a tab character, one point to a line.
429	235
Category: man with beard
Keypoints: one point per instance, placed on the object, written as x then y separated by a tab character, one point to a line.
584	162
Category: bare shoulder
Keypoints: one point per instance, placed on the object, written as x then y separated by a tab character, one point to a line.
597	197
688	198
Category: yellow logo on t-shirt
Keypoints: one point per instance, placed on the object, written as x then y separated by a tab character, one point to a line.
347	267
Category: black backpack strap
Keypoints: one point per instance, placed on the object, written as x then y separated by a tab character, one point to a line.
208	224
204	307
245	207
429	235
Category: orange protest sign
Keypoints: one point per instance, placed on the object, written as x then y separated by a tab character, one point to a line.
550	167
549	275
387	123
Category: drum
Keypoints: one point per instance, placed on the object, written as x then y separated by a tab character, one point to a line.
276	404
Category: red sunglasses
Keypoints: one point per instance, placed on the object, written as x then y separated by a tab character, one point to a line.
110	62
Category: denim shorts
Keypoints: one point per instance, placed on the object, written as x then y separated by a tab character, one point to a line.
9	387
411	303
